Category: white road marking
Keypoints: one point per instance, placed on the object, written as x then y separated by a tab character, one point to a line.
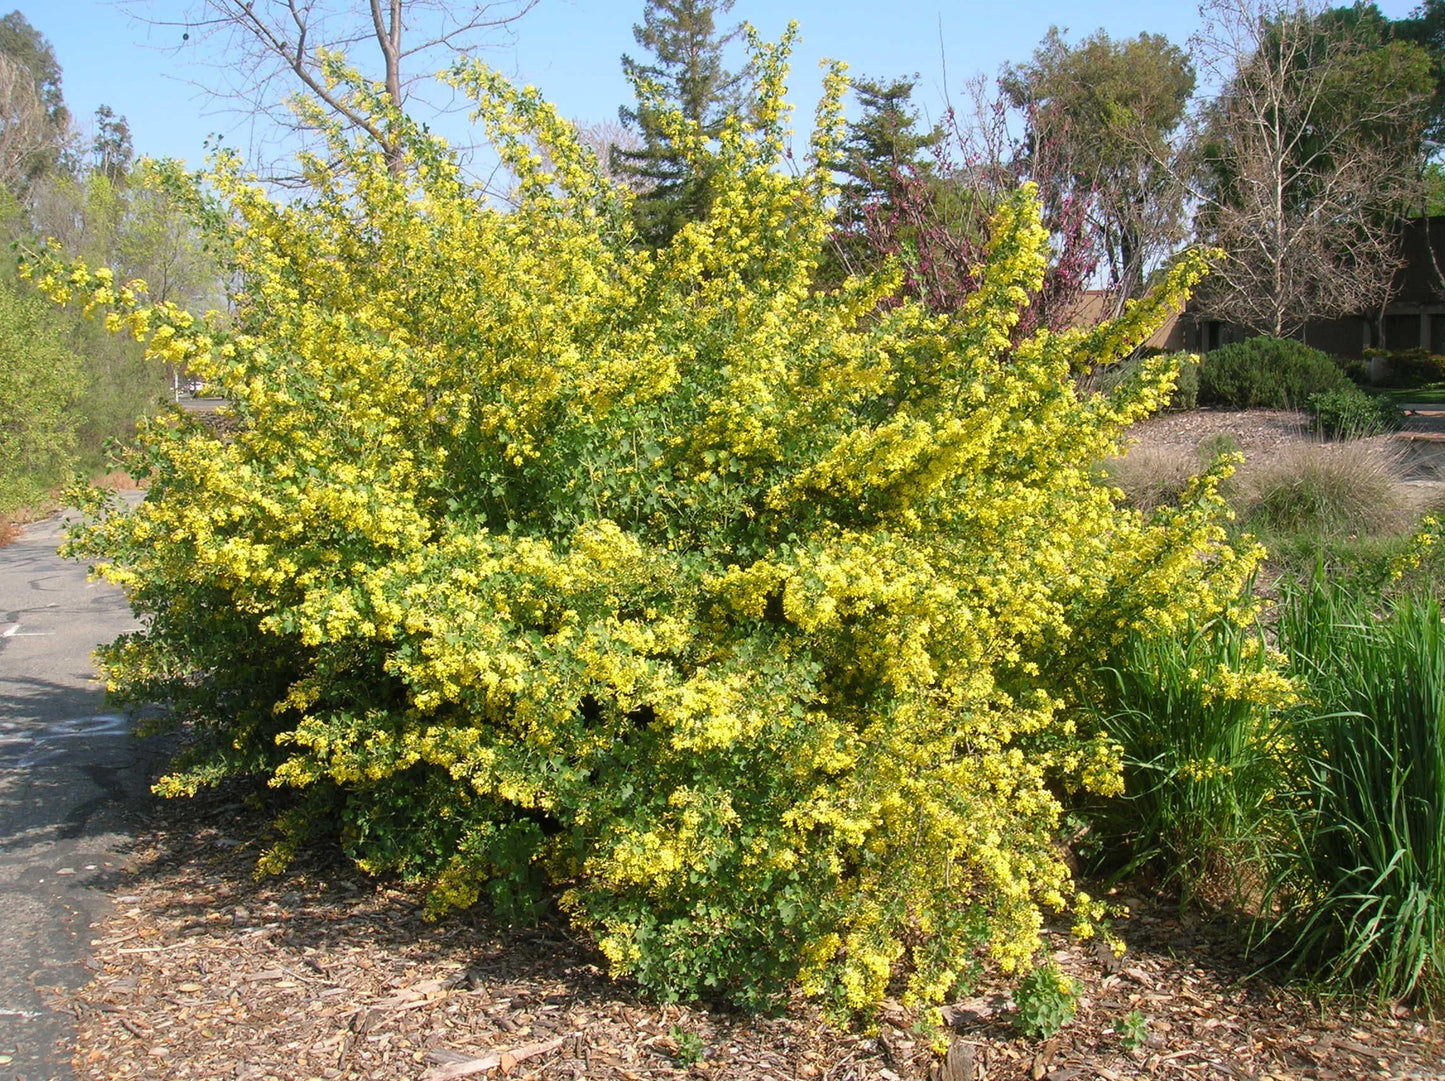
14	631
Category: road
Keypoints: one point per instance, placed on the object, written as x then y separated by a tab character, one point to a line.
70	773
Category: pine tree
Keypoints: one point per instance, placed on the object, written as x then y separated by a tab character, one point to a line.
688	75
884	141
883	155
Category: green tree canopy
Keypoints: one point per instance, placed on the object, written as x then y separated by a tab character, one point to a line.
885	140
28	47
41	377
1424	27
686	81
1107	111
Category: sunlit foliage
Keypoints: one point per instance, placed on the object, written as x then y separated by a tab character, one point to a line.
744	617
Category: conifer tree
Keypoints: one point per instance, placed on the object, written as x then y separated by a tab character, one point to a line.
883	158
885	140
688	75
111	147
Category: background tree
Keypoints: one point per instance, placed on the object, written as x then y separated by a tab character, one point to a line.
34	122
935	214
1309	157
270	48
1106	112
29	143
1425	27
884	140
687	74
28	47
41	378
133	225
111	148
884	154
67	387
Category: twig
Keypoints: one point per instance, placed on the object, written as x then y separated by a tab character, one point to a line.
492	1060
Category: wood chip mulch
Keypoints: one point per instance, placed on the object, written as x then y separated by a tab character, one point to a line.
204	971
1259	433
1256	431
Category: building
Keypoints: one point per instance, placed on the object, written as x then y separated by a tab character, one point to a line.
1414	317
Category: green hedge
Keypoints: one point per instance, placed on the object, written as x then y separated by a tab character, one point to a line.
1350	413
1410	367
1267	373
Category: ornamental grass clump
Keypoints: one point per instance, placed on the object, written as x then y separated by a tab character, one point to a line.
1365	878
1205	747
738	615
1324	489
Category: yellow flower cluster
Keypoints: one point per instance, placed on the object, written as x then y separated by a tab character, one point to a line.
743	610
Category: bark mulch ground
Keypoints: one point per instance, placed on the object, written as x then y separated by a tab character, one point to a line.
1259	433
204	971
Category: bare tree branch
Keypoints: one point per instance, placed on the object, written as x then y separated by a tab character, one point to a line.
25	127
1308	158
262	51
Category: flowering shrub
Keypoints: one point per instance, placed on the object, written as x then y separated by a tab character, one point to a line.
1047	1000
743	614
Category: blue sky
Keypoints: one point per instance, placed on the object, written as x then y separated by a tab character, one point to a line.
570	49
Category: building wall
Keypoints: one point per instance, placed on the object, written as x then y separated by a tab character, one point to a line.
1414	318
1095	305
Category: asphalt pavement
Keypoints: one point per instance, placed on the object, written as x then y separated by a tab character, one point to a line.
71	776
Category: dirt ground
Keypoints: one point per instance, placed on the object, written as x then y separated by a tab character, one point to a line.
1261	432
205	972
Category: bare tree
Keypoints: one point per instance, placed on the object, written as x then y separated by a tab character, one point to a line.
601	137
934	214
26	129
265	50
1308	158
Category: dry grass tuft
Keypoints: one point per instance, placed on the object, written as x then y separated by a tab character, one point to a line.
1151	476
1333	489
117	480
